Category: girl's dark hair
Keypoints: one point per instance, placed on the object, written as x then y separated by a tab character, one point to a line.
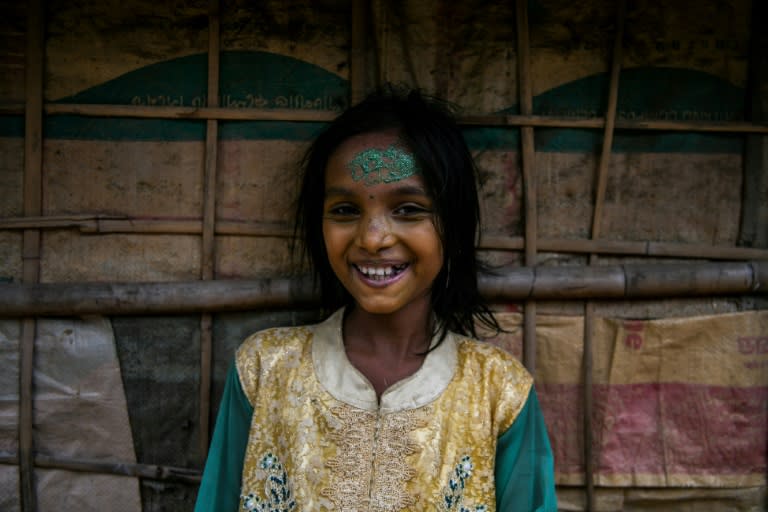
427	127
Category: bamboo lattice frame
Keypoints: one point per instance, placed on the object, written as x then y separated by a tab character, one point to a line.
29	299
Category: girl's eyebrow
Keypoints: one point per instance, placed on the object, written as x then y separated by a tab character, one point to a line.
410	190
338	191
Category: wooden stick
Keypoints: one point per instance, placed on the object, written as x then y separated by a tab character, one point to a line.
148	471
525	96
292	115
693	126
597	216
26	442
81	221
208	255
543	283
528	150
540	121
589	405
218	113
91	224
379	11
33	195
12	109
753	226
628	248
610	119
211	151
357	52
206	357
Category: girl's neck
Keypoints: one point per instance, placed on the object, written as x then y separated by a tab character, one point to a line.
387	348
404	333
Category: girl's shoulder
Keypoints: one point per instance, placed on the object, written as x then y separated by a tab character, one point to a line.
266	355
492	359
280	343
267	342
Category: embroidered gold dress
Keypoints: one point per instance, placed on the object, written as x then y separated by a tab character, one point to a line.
301	429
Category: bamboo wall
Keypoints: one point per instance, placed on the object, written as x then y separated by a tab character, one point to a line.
148	173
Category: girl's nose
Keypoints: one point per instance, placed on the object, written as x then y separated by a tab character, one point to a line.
375	234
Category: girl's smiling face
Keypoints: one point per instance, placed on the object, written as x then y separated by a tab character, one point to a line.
379	226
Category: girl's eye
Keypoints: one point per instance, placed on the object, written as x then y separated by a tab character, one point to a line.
412	210
343	210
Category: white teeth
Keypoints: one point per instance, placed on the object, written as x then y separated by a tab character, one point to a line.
380	272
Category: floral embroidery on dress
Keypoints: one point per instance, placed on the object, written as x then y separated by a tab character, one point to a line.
277	490
453	493
371	470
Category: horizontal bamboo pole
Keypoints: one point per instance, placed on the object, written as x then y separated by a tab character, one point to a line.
202	113
548	283
628	281
12	109
253	114
84	222
628	248
152	298
105	224
692	126
624	124
149	471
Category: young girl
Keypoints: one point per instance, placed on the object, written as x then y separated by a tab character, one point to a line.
389	404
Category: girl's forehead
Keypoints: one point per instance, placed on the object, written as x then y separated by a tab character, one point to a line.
367	141
373	159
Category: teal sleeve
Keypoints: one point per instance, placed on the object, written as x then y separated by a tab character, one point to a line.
220	487
525	474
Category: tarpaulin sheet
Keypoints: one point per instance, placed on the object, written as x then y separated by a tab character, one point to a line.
677	402
79	413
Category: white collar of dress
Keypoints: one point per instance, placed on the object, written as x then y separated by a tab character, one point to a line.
345	382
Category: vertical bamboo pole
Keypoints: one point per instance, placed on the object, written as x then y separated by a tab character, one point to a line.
33	192
525	96
753	228
597	214
357	52
610	121
209	224
381	30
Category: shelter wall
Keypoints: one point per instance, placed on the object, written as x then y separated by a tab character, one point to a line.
122	198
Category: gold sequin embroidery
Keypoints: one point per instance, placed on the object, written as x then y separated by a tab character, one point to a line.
370	470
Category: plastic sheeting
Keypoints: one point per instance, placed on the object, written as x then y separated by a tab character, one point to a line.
680	413
80	412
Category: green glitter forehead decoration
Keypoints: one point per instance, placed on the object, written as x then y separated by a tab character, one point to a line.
374	166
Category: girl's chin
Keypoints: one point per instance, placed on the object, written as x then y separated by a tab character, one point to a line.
420	304
376	309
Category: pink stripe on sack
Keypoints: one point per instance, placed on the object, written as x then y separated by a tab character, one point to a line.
669	428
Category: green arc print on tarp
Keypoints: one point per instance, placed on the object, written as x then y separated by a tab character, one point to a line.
645	93
267	80
248	80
